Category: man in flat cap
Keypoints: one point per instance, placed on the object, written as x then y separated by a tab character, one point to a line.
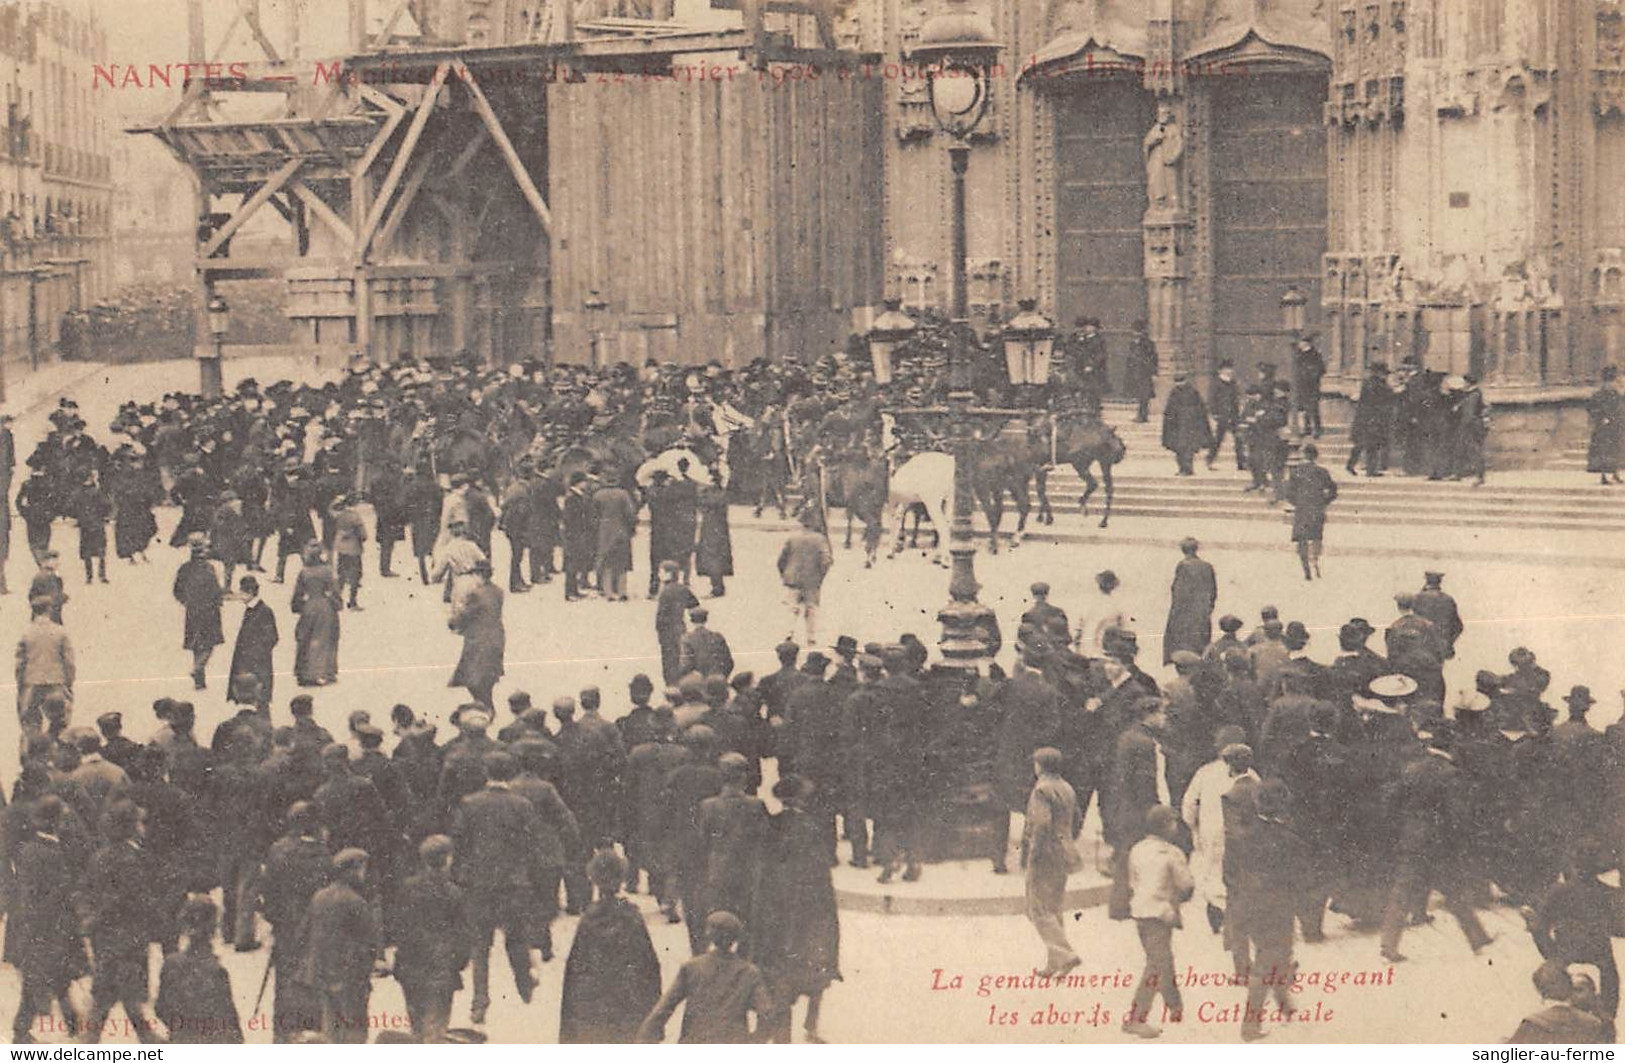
341	946
703	651
1434	605
197	588
1042	615
496	836
737	830
432	940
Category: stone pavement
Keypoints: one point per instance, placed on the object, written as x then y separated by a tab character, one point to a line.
1512	591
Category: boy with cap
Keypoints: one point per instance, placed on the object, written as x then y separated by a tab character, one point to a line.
721	990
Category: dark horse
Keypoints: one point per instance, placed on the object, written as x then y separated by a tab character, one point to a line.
1006	463
857	481
1080	442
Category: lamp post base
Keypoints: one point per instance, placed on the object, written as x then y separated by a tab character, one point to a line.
209	379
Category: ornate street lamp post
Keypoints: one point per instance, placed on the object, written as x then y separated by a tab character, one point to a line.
958	48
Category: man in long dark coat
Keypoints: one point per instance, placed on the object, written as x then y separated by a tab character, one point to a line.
1029	713
1431	603
1309	490
1140	374
432	941
735	826
42	929
1185	428
120	910
612	978
197	588
496	839
253	672
341	948
1373	422
689	784
479	620
1194	593
1607	412
297	865
673	520
580	536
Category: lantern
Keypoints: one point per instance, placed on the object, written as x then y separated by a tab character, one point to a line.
1029	341
890	332
219	316
1292	310
958	47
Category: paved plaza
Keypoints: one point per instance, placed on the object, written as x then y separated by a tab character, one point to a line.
399	650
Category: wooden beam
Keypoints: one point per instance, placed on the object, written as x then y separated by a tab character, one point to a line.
389	24
414	132
464	157
318	206
516	165
382	100
250	205
190	95
387	130
284	209
225	41
403	202
251	13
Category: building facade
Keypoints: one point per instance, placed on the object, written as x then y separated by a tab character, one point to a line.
56	195
1434	176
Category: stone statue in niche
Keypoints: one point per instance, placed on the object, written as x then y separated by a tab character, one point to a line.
1164	160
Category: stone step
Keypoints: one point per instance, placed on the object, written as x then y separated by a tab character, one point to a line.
1398	513
1366	490
1122	509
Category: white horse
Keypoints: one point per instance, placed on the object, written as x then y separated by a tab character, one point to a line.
927	480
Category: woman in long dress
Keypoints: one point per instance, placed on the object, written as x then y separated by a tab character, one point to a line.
316	636
714	551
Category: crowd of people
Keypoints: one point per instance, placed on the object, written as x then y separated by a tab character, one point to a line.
392	848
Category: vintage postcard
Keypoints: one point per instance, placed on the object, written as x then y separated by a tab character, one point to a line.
840	521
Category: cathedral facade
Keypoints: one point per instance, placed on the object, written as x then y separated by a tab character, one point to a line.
1433	177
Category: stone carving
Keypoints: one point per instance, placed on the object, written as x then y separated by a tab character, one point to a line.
1164	160
1610	35
1608	277
1117	23
1331	284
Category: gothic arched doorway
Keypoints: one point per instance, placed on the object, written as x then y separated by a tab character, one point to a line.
1099	203
1269	211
